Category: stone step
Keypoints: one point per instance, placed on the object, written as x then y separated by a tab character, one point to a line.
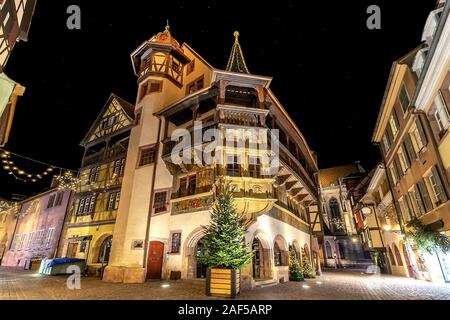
265	283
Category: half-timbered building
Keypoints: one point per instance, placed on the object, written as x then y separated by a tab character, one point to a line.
90	224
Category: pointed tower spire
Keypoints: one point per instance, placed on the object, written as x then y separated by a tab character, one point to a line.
236	63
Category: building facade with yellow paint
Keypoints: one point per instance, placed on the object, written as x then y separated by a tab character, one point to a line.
90	223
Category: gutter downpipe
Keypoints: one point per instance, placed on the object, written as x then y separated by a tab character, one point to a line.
155	166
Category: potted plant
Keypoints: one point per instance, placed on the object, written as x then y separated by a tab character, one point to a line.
224	251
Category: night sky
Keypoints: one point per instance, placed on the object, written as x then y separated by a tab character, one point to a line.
329	70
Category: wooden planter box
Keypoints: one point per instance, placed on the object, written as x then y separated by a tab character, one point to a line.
223	282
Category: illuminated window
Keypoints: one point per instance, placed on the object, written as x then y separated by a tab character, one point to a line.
119	167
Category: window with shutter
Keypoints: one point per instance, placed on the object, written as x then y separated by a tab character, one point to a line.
419	201
409	207
437	186
398	168
404	98
406	156
51	201
425	195
410	148
441	113
420	135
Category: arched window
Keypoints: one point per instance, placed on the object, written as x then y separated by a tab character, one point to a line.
398	256
391	256
335	212
328	250
277	254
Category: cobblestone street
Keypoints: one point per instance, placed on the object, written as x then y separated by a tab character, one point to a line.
20	285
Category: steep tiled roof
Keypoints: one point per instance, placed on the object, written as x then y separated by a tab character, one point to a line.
329	177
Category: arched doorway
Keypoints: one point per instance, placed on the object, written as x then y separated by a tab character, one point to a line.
262	258
201	268
256	248
105	250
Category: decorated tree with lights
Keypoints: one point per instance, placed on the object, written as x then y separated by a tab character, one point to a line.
295	270
307	269
223	243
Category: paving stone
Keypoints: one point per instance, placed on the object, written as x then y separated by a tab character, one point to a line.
24	285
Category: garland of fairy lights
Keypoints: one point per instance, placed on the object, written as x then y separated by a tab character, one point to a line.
66	180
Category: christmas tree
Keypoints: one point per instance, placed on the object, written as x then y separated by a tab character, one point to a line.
223	243
295	272
307	269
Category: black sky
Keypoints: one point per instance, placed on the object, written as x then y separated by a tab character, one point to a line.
329	70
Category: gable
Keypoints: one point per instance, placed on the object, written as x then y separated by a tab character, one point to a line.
113	118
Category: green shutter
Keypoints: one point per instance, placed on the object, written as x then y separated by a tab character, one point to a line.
438	182
425	195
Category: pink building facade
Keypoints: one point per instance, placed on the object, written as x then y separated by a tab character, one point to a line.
38	229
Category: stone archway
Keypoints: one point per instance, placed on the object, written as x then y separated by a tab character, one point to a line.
96	249
262	264
281	251
190	247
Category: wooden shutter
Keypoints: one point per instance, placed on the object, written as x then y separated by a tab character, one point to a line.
410	148
419	202
398	167
422	134
406	156
437	180
425	195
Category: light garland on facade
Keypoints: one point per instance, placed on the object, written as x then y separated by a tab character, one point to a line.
67	181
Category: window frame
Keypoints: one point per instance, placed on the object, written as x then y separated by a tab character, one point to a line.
152	161
171	241
166	207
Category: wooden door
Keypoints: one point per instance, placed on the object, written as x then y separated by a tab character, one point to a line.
155	260
72	250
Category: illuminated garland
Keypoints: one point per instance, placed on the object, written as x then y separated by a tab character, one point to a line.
67	181
20	174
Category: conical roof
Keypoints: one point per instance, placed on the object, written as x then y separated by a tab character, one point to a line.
236	62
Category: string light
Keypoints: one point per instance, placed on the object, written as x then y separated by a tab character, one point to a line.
23	175
67	181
